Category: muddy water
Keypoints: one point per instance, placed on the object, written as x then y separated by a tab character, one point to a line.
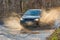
11	29
12	22
49	17
6	35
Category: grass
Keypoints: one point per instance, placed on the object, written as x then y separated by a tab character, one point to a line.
55	35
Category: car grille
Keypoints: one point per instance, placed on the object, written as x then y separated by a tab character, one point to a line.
29	19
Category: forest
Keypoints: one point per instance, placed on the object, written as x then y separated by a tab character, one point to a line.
20	6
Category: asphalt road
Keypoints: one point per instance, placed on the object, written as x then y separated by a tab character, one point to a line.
41	35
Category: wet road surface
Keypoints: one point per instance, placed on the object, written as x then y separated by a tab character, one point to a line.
42	35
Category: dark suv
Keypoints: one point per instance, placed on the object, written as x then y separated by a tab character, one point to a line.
31	17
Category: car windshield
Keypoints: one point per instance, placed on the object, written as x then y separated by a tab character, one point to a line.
32	12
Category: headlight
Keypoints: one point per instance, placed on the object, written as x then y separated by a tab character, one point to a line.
21	19
36	19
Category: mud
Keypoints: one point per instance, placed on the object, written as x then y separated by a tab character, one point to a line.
49	17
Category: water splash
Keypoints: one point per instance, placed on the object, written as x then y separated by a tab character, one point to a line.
13	23
49	17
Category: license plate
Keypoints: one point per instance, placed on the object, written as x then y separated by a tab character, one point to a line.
29	23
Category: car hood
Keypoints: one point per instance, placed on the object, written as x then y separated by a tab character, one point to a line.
31	17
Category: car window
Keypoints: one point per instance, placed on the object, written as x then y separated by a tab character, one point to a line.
33	12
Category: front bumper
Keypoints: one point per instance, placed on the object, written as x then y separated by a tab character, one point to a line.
29	23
